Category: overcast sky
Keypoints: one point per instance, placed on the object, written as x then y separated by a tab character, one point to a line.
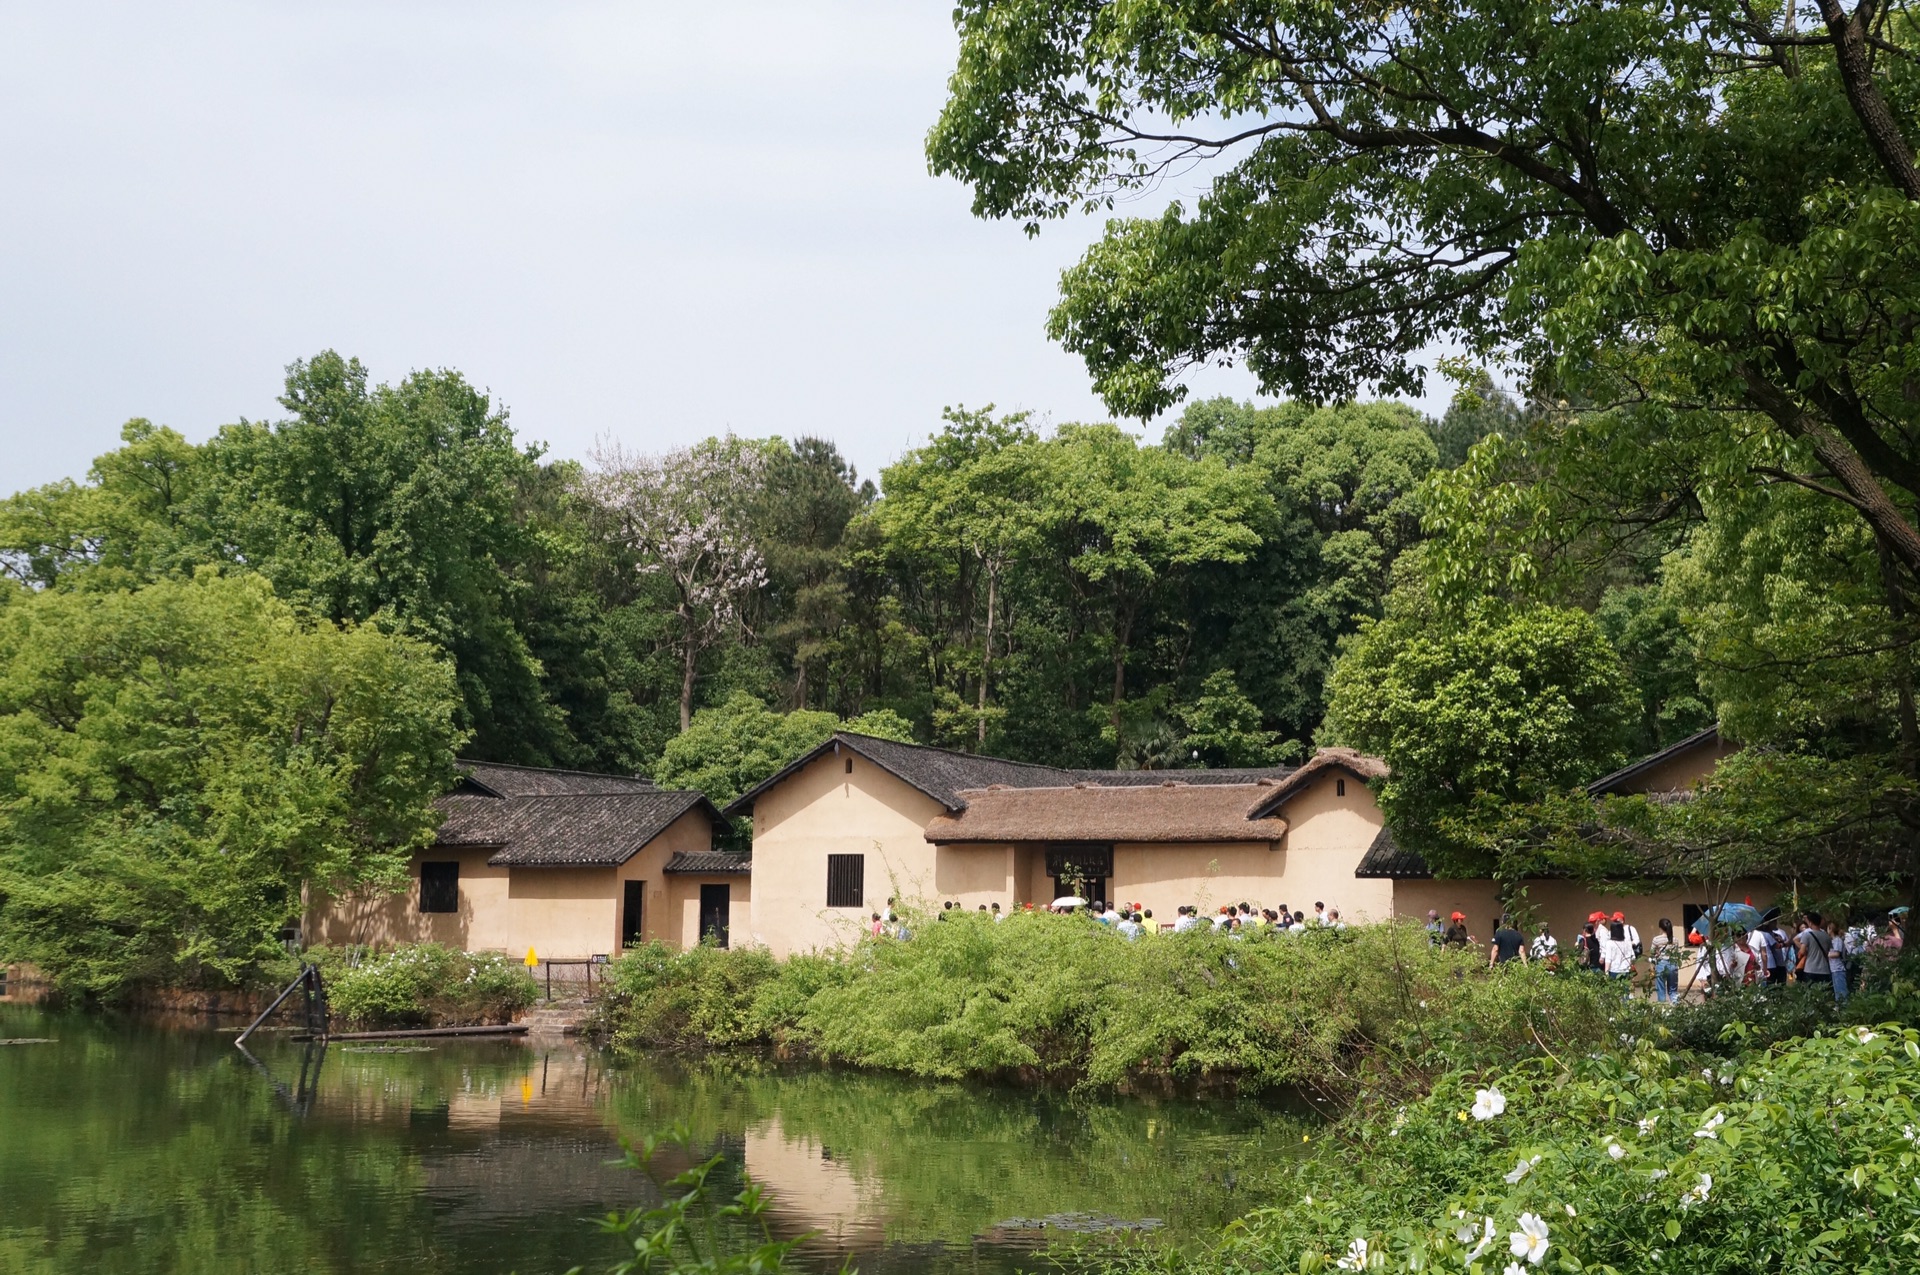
657	221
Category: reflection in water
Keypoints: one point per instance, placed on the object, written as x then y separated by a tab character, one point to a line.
131	1147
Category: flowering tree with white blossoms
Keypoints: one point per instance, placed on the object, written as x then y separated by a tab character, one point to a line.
685	512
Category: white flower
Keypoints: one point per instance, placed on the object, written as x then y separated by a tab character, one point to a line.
1570	1212
1910	1133
1707	1130
1486	1238
1656	1175
1698	1194
1615	1150
1521	1170
1864	1036
1646	1125
1530	1241
1466	1230
1356	1258
1514	1268
1488	1103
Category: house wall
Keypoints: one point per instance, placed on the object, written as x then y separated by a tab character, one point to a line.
662	919
1683	770
559	912
1565	905
823	809
682	911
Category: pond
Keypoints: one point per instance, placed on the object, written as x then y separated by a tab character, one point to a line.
131	1146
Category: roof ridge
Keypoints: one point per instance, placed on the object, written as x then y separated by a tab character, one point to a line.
954	752
557	770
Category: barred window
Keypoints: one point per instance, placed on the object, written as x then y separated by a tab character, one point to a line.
846	880
440	886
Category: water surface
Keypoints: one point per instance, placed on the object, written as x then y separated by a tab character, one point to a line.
128	1146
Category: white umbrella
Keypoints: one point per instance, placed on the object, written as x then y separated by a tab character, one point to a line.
1068	901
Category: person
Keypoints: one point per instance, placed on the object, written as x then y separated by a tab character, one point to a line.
1333	919
1616	954
890	918
1586	948
878	927
1666	964
1730	961
1545	946
1299	925
1319	913
1633	935
1456	935
1129	928
1508	944
1811	955
1185	919
998	915
1760	955
1837	954
1435	930
1146	919
1780	952
1106	914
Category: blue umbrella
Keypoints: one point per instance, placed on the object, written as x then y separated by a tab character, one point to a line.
1740	915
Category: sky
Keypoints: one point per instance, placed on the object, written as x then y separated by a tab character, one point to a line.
649	221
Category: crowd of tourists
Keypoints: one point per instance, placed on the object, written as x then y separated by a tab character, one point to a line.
1812	950
1821	952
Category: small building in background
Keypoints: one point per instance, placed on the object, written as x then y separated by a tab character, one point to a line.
568	863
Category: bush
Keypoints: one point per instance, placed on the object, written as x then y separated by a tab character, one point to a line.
424	984
1799	1159
1067	999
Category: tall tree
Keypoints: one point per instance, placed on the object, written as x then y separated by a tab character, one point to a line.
1711	211
184	758
687	514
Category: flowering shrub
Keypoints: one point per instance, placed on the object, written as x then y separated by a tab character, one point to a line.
426	984
1805	1158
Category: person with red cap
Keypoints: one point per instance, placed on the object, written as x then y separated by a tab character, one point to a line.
1456	935
1633	935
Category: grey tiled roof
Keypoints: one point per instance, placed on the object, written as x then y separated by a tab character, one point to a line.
1384	858
1152	778
588	830
709	863
528	781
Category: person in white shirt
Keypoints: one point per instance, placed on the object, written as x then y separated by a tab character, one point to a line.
1758	956
1186	920
1130	927
1319	914
1616	954
1633	935
1544	944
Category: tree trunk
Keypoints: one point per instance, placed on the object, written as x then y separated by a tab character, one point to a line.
1122	630
986	652
1877	119
1909	718
689	659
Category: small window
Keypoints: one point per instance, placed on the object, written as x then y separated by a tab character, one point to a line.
846	880
849	765
440	887
1339	787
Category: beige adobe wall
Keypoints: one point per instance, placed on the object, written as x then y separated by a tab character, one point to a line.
1684	770
1327	834
558	912
1565	905
378	917
819	810
681	917
974	874
660	918
1163	876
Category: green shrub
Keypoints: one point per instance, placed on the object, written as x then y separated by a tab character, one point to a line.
1804	1158
424	984
1065	998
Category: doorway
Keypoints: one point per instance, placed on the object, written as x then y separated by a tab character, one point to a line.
632	929
715	905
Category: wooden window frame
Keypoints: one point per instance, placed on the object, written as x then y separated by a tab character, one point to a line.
846	880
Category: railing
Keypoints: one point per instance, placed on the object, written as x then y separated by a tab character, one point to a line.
589	963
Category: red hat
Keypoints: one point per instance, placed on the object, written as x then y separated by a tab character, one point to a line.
1619	916
1596	916
1458	916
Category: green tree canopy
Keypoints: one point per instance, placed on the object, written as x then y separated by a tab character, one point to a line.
1511	706
182	759
733	746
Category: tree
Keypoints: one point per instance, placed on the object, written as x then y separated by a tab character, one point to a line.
968	495
1479	720
1708	212
733	746
686	513
184	758
807	498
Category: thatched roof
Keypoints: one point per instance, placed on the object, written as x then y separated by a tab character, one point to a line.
1169	811
1359	765
945	775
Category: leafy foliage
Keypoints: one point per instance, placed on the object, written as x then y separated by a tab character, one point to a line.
180	759
732	747
424	984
